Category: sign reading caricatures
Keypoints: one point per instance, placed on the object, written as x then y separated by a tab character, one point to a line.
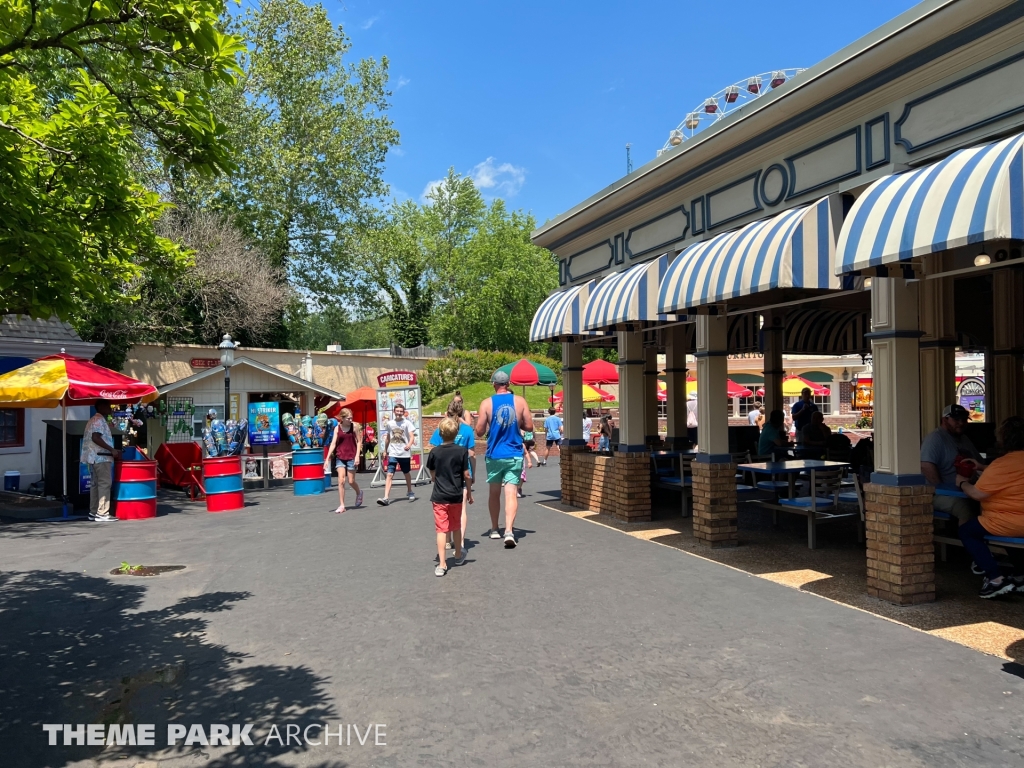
397	379
204	362
400	388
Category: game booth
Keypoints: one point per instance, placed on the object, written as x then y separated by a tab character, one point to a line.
270	436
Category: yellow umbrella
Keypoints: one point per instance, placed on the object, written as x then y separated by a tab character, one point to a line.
67	380
691	386
590	395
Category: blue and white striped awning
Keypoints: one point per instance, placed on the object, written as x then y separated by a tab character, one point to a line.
971	196
792	250
628	298
560	316
826	332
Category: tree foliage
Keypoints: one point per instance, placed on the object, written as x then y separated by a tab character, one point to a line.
446	374
455	271
85	90
496	285
229	286
311	133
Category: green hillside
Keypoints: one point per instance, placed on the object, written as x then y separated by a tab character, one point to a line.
474	394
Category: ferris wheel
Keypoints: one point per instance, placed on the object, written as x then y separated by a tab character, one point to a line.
725	102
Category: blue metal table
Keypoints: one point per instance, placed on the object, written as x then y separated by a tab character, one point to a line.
790	469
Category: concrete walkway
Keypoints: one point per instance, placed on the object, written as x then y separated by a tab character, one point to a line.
582	647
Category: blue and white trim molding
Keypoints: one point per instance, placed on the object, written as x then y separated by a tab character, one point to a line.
973	195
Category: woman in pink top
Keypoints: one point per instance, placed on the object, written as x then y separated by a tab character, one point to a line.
346	445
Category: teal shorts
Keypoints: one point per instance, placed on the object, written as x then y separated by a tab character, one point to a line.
504	471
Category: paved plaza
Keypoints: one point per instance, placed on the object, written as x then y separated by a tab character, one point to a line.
582	647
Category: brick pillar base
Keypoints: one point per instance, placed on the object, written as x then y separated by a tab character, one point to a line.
714	504
629	496
568	470
618	485
901	553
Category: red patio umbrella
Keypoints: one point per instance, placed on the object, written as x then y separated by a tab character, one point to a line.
600	372
732	389
362	402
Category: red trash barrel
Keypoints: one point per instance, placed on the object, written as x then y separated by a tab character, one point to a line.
222	479
136	489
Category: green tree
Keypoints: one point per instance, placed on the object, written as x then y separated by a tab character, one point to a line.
396	266
86	90
312	135
495	285
455	271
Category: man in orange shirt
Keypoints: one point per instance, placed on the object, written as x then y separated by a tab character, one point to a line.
1000	490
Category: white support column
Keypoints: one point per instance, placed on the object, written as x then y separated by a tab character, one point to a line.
937	345
774	332
898	502
894	349
631	392
712	373
651	395
572	392
1007	381
676	350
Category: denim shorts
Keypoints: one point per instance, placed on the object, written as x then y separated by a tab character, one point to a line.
349	464
396	462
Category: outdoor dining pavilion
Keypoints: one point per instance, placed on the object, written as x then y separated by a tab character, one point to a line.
872	204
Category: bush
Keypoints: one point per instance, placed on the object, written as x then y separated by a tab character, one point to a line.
446	374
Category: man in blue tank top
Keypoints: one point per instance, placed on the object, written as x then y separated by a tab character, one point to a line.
503	418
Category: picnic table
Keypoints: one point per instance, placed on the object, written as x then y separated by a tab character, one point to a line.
788	469
819	505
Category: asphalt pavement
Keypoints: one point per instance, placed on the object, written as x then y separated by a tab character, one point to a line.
581	647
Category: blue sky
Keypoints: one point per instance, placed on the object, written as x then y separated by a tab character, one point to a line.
537	100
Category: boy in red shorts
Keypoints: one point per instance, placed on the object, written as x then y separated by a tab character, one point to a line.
449	471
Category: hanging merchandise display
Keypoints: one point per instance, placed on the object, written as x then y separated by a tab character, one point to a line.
176	415
225	438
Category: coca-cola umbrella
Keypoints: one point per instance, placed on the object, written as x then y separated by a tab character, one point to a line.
67	380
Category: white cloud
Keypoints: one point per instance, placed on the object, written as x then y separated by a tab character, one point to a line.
369	22
402	82
397	151
503	180
431	186
493	180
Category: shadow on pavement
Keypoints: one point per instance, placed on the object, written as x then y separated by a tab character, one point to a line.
78	649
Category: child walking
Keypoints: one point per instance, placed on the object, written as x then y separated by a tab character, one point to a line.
449	472
526	465
346	446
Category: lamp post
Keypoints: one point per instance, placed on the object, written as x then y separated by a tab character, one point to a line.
227	359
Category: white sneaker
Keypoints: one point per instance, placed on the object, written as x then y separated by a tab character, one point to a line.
495	534
510	539
411	497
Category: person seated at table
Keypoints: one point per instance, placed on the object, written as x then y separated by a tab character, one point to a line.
1000	490
817	433
773	436
941	452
